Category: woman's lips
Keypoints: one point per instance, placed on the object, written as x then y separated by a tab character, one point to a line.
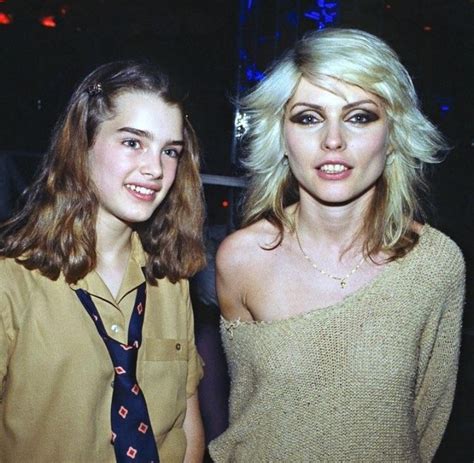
142	192
333	170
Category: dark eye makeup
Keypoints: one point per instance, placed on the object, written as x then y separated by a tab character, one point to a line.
305	118
359	116
363	117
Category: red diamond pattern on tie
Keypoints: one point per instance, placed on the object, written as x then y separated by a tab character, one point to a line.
143	428
120	370
135	389
131	452
123	412
125	347
140	309
113	437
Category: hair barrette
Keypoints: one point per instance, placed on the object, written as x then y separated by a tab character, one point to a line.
94	89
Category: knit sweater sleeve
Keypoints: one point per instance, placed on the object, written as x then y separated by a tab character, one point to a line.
439	352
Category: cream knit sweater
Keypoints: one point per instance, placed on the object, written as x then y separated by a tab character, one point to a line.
370	379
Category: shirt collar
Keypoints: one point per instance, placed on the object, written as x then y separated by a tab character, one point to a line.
134	277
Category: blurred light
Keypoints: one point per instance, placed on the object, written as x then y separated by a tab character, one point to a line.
388	6
324	15
64	9
225	203
427	28
48	21
241	123
253	74
445	103
5	19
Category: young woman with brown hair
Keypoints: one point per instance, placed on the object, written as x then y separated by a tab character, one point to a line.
97	354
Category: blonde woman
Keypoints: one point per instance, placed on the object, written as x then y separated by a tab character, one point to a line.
341	307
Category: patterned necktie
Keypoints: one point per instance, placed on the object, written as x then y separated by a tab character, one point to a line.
132	434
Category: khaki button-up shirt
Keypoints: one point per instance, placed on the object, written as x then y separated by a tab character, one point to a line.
57	375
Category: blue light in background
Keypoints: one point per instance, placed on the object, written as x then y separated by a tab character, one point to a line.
323	13
253	74
445	104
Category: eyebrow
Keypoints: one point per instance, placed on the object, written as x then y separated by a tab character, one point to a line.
347	106
148	135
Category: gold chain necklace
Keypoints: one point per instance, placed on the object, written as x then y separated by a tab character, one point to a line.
342	280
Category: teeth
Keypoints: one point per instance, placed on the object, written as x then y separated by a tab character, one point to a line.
140	189
333	168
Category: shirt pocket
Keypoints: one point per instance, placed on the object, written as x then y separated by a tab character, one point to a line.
165	350
162	374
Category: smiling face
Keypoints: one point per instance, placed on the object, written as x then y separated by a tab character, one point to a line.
134	157
336	141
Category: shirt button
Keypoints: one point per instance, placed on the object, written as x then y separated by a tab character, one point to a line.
115	328
178	346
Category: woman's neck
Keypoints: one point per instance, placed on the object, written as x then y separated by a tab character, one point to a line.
335	229
113	251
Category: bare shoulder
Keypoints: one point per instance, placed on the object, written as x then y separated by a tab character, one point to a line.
246	246
417	227
240	257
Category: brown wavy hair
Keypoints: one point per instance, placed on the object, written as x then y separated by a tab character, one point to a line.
55	230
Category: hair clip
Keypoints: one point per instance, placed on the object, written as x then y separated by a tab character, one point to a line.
94	89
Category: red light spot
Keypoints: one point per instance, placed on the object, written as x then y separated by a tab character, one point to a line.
427	28
48	21
225	203
5	19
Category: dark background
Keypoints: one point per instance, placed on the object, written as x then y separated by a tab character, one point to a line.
218	48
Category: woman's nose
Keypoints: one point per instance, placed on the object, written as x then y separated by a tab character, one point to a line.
151	165
333	139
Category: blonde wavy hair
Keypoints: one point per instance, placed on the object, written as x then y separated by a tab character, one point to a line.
358	58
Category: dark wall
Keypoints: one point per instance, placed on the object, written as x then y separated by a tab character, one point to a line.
193	40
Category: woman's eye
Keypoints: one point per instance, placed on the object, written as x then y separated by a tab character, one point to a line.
305	119
363	118
171	152
132	143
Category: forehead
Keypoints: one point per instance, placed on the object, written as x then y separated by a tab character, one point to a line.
331	89
145	111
